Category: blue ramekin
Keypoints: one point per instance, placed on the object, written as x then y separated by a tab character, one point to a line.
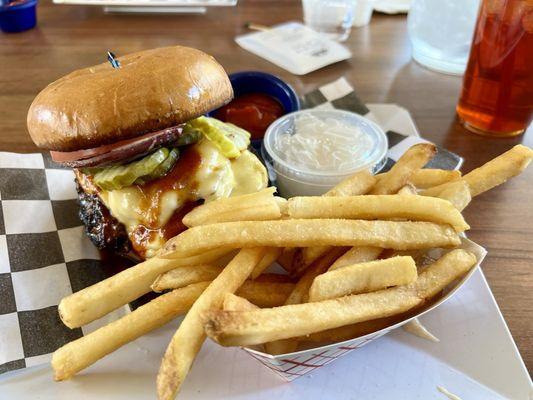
260	82
18	16
256	81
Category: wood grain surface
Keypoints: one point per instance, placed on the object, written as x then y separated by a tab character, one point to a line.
71	37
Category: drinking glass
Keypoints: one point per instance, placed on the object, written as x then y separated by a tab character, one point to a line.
441	33
333	18
497	95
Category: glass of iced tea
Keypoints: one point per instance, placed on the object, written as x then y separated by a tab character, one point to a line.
497	95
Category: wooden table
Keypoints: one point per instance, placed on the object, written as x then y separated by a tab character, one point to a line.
71	37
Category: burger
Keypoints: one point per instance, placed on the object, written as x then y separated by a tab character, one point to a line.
142	151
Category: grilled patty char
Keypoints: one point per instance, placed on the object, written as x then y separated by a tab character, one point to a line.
105	231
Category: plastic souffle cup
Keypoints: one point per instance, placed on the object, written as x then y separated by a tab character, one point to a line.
308	152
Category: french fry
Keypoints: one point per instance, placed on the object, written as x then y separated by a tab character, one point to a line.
392	182
348	332
357	184
237	303
268	291
265	294
445	270
408	164
183	276
364	277
457	193
356	255
304	257
271	255
85	351
398	235
300	293
409	188
370	207
493	173
97	300
243	328
427	177
189	337
249	207
282	204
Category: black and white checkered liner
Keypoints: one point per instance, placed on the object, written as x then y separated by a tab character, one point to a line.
45	255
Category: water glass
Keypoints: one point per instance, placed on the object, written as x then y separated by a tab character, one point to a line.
333	18
441	33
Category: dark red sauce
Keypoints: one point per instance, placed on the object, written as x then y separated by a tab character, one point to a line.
179	177
252	111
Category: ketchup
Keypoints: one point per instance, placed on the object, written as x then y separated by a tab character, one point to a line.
252	111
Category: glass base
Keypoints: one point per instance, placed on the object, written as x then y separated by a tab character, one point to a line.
487	133
438	65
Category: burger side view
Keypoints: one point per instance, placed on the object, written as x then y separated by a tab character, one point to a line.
143	154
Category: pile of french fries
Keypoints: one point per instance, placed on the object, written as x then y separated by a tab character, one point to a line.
351	257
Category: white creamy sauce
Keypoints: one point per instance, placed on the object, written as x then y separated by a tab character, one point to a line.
323	144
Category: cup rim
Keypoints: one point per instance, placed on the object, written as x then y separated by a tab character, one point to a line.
273	79
379	155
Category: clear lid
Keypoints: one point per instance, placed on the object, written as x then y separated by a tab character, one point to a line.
325	143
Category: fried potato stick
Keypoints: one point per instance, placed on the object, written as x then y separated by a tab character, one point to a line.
409	163
189	337
236	303
256	206
95	301
85	351
370	207
427	177
356	255
300	294
183	276
243	328
357	184
399	235
457	193
363	278
493	173
392	182
271	255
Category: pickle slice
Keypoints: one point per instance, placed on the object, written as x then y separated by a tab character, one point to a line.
188	137
119	176
162	169
229	138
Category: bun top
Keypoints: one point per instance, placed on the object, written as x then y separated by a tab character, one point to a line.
151	90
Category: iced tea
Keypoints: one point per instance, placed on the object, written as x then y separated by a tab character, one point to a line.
497	95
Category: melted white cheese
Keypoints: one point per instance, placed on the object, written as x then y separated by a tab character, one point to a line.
217	177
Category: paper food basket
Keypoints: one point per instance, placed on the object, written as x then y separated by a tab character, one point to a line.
293	365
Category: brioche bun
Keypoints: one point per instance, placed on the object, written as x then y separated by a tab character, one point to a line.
152	90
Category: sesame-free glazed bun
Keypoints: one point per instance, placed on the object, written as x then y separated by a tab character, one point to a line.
152	90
